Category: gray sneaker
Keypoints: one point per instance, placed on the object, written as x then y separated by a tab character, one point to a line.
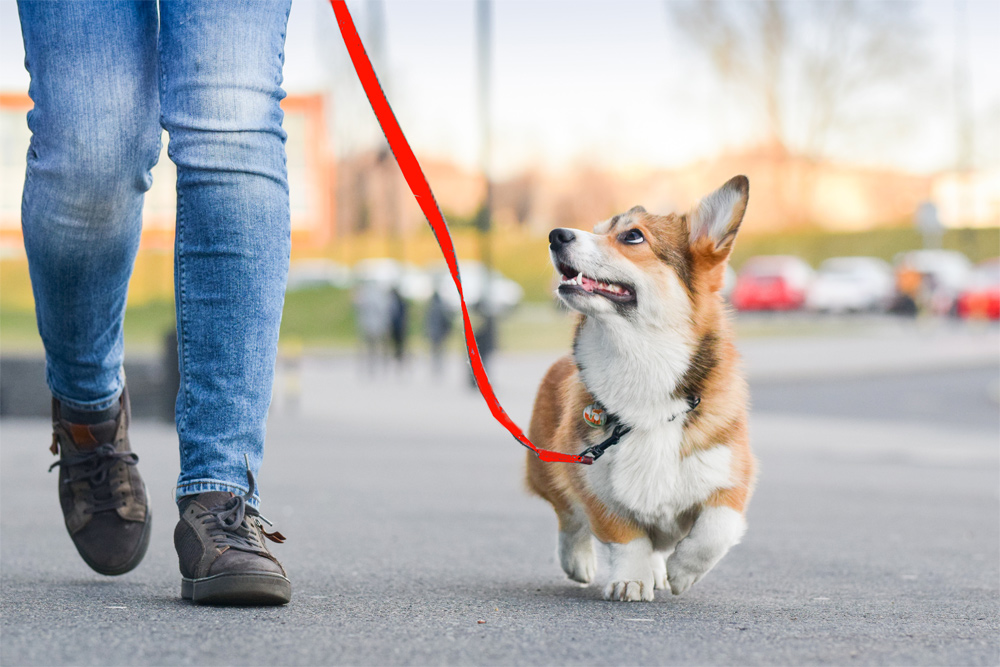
223	559
103	498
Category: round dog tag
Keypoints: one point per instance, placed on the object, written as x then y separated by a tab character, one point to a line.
595	415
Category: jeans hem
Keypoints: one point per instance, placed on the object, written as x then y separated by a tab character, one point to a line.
90	406
197	486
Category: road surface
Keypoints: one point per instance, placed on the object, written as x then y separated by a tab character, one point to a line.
874	535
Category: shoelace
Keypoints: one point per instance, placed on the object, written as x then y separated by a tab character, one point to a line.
232	523
94	467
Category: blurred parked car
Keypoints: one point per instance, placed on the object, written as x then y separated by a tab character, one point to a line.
504	293
981	297
851	284
943	274
413	283
772	282
310	273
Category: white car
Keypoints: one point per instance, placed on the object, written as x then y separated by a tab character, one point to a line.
851	284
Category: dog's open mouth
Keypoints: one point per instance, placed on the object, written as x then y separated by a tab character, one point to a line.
573	280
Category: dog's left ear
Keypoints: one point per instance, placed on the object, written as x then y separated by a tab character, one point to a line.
713	227
719	215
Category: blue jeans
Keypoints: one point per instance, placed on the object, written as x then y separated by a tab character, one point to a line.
105	77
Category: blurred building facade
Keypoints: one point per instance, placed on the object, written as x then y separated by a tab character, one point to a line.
787	193
311	177
366	194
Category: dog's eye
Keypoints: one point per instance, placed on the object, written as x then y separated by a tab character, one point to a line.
632	236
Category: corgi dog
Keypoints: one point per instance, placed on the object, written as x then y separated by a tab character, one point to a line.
653	387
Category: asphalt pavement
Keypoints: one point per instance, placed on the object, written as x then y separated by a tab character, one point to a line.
874	534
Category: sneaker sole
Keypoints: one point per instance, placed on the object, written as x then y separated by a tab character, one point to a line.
132	562
246	588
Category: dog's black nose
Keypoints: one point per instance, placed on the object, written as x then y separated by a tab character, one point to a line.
560	237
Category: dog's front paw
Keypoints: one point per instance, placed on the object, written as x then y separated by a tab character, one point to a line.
629	591
580	565
577	557
659	572
681	576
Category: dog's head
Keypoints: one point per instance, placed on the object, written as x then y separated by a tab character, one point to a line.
648	267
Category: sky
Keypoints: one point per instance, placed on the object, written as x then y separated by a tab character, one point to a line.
610	83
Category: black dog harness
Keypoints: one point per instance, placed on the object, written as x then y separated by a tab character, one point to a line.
596	415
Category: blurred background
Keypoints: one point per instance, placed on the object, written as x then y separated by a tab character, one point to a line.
870	132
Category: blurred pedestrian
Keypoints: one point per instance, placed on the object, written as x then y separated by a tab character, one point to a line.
373	305
106	79
486	339
398	324
908	289
437	327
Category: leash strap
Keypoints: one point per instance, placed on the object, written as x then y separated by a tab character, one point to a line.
415	178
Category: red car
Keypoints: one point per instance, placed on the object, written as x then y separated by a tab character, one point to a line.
981	298
772	282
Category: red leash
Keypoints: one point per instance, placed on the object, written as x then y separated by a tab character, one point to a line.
415	178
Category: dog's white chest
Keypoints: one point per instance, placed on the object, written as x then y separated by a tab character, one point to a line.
646	478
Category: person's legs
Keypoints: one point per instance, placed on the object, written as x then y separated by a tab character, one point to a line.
95	137
220	94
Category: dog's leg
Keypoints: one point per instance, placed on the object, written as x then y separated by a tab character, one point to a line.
576	546
665	538
716	530
631	551
659	563
632	576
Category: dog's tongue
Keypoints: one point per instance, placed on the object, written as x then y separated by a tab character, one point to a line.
588	284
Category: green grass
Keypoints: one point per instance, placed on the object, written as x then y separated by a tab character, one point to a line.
318	316
324	317
145	327
315	318
536	326
312	317
18	331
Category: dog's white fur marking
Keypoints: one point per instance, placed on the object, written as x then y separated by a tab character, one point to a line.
644	478
634	370
715	531
632	577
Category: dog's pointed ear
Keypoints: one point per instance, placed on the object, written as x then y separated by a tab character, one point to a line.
714	223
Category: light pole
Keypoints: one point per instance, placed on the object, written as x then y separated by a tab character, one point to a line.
384	162
487	337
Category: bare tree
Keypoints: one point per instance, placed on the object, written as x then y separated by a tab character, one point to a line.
804	64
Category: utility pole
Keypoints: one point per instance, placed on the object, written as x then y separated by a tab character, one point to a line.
963	117
384	160
487	337
963	113
484	10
